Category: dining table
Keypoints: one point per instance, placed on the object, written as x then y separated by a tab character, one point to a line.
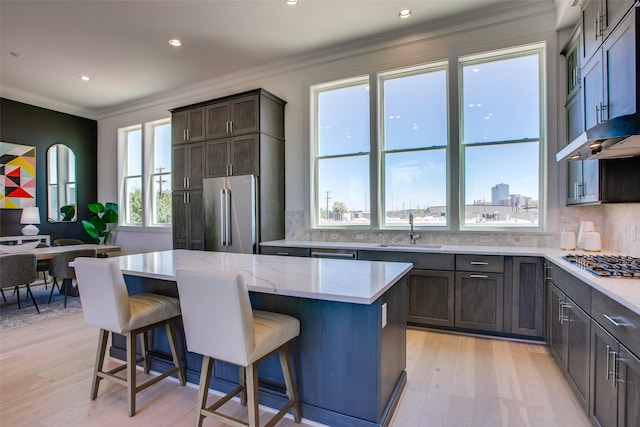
50	252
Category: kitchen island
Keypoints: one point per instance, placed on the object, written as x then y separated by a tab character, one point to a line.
349	360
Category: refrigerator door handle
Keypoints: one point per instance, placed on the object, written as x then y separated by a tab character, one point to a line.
223	216
227	219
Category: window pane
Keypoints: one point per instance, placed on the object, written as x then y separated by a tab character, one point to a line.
415	111
162	148
161	199
133	201
501	185
343	191
416	182
134	153
501	100
343	120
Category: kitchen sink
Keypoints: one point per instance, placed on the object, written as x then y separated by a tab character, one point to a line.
384	245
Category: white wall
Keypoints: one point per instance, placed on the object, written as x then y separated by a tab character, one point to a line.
517	24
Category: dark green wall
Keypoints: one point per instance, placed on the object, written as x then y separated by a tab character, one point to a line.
28	125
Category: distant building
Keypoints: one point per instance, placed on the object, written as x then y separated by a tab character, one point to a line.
499	194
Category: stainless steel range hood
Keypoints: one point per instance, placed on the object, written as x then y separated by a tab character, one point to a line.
614	139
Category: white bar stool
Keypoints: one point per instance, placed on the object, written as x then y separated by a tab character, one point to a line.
220	324
107	305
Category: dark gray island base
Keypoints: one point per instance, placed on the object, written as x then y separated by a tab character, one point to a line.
350	372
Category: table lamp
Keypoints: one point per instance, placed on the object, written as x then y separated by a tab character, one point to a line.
30	216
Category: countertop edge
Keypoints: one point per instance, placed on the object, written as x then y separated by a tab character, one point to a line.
603	285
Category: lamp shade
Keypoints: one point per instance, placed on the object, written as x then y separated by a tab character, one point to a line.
30	216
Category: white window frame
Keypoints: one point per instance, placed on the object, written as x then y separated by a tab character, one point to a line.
495	55
147	130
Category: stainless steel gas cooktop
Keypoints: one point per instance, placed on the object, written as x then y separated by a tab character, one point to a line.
618	266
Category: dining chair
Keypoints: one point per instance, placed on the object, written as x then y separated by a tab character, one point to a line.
17	270
59	269
220	324
107	305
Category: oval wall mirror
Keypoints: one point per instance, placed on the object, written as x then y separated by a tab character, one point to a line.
61	184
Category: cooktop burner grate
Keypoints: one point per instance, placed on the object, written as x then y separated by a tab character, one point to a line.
617	266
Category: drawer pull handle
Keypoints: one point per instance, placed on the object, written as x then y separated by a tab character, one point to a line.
332	255
478	276
478	263
613	321
282	253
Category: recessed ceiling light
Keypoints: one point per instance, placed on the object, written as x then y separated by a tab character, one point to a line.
405	13
291	2
175	42
85	78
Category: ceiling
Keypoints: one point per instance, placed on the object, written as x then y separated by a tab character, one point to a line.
123	45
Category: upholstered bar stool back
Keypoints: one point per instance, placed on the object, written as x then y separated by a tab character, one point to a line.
107	305
16	270
220	324
59	268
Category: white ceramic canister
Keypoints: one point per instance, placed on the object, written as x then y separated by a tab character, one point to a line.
568	240
592	241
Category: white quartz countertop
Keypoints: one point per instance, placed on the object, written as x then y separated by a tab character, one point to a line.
360	282
624	291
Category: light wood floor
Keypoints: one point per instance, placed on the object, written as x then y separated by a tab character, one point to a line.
45	372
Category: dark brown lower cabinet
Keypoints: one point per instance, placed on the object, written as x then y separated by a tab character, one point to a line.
527	296
479	301
188	220
569	342
431	297
615	382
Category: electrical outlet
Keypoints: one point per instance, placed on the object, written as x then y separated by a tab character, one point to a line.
359	236
384	314
333	236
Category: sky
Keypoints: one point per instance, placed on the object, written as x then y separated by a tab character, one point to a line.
500	103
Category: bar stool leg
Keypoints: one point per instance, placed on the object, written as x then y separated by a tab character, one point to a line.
131	372
203	390
243	383
285	362
252	395
144	347
102	348
173	344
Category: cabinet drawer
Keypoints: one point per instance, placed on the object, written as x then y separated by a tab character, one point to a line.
484	263
573	287
419	260
618	320
285	251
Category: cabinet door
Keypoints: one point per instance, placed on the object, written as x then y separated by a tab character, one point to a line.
527	296
179	167
574	117
245	155
590	191
603	399
591	28
578	325
179	220
574	181
431	297
195	130
195	204
479	301
244	114
557	339
195	165
218	116
217	158
179	125
614	11
592	91
619	68
628	389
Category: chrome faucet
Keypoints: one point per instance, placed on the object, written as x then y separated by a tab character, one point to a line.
412	236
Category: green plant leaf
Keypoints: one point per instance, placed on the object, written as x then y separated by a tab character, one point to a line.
96	207
90	229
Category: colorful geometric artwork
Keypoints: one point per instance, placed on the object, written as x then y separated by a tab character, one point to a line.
17	176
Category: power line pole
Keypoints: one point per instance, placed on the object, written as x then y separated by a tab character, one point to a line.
327	198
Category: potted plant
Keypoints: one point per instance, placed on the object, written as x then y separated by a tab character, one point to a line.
101	223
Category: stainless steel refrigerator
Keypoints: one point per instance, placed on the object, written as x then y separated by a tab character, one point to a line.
230	216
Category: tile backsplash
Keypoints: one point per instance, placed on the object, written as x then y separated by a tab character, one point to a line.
618	224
